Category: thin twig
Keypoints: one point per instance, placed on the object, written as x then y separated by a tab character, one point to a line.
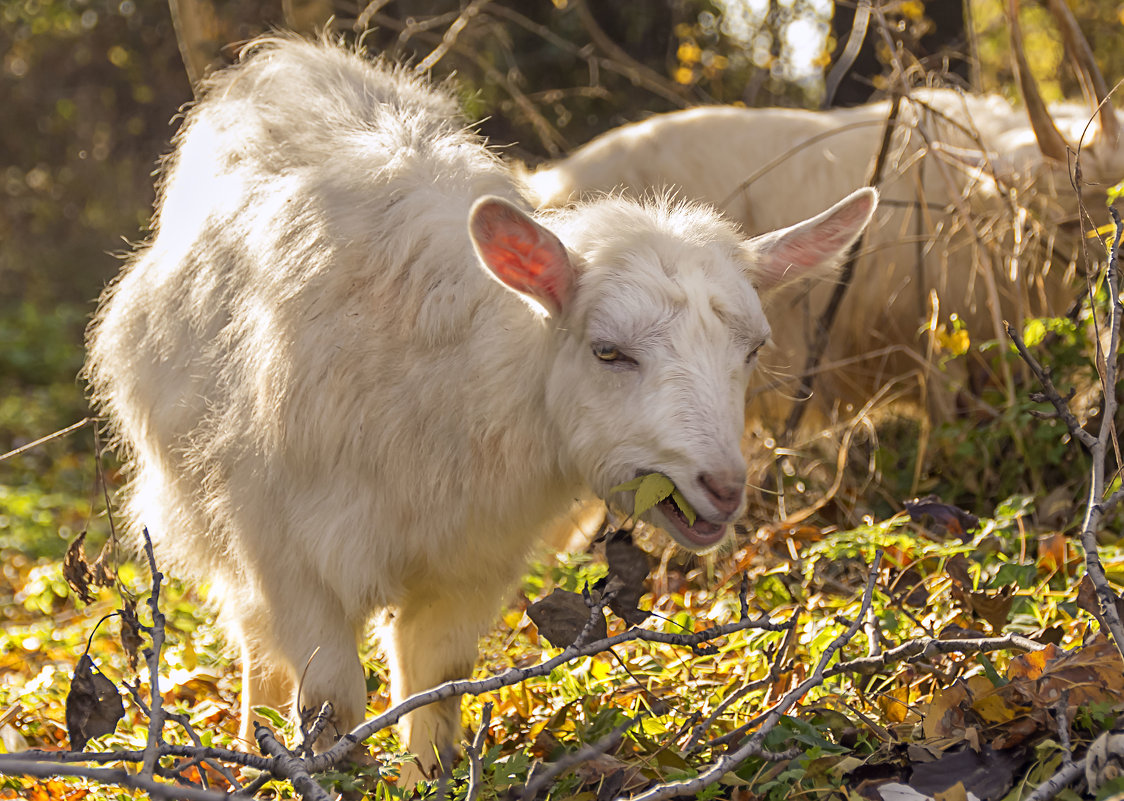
1058	782
930	647
61	432
1094	510
584	754
639	74
753	745
451	34
152	657
693	743
290	766
846	275
475	763
1050	391
109	776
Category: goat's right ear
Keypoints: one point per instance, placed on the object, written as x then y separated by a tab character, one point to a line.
521	254
812	248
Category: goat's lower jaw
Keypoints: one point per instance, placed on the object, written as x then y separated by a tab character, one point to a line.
701	536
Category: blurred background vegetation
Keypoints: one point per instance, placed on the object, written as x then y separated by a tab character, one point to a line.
91	88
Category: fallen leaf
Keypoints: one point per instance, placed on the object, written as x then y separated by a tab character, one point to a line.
628	570
909	588
957	568
1088	600
987	775
562	616
1052	552
1031	664
944	716
953	519
993	606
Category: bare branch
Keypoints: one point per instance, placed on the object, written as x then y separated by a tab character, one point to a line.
289	766
753	745
1050	391
85	421
632	69
119	778
929	647
585	754
1059	781
475	766
451	34
696	641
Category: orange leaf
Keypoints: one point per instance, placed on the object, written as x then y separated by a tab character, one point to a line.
1052	552
1031	664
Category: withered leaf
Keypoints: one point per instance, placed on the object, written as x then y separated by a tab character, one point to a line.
953	519
1087	598
102	575
131	639
994	606
957	568
909	588
76	570
988	775
93	705
561	616
628	569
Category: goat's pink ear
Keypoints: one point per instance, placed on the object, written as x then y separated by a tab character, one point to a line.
812	248
521	254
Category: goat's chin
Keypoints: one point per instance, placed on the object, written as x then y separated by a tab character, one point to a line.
699	537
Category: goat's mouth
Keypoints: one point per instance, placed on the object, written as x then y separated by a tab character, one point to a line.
698	536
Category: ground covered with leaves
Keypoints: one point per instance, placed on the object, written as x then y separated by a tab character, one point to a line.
970	656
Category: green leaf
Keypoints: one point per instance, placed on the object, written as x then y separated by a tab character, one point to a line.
272	715
628	486
684	506
653	488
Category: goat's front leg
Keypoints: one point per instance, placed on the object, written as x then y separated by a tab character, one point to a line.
431	639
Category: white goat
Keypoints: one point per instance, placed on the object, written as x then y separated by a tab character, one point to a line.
337	402
953	223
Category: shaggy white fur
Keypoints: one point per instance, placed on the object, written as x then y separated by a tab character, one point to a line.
353	377
951	152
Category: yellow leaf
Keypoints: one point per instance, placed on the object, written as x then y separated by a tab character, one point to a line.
689	53
955	342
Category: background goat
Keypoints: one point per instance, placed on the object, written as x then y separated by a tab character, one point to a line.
331	410
972	204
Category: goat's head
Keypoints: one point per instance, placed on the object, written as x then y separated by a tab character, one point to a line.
656	320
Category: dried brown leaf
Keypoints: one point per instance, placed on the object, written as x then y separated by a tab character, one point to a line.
953	519
561	616
76	570
93	705
628	570
131	639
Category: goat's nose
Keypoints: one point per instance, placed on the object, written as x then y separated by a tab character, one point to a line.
724	491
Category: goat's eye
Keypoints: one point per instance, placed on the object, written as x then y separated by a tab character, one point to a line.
753	354
611	354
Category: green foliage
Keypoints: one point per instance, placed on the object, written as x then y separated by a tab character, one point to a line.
651	489
42	345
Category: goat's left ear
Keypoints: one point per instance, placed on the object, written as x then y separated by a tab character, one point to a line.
812	248
521	254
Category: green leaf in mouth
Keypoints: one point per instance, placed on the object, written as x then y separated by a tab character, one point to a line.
651	489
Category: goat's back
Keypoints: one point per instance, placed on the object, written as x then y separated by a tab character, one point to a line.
309	304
